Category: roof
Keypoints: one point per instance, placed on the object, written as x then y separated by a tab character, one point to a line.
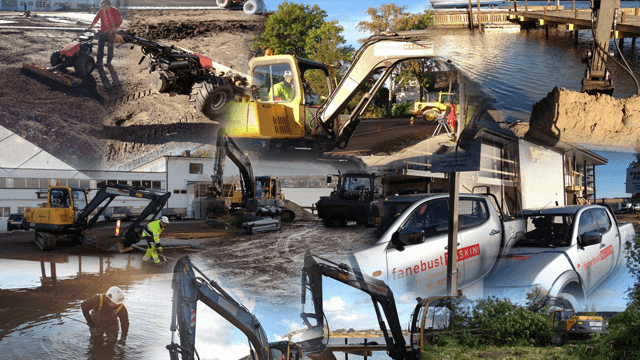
555	210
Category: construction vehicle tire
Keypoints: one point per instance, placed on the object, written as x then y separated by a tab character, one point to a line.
223	4
328	222
557	339
84	65
210	96
250	7
45	241
428	116
288	215
55	59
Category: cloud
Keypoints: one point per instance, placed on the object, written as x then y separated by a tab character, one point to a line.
334	304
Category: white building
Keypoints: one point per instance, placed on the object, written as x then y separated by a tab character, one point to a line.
26	172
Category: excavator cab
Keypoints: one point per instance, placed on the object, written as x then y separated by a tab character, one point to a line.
63	205
283	103
285	350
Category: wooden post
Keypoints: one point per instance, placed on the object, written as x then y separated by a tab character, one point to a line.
576	13
452	248
557	5
548	2
573	5
515	5
479	21
575	32
624	18
470	16
637	11
346	354
365	344
545	10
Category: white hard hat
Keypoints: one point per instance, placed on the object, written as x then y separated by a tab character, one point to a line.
164	219
105	3
115	295
288	73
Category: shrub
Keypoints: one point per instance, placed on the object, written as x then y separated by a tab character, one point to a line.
402	109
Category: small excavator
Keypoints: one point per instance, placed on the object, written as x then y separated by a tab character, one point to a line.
188	289
67	213
381	296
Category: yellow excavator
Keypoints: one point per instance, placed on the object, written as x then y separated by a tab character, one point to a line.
430	111
296	119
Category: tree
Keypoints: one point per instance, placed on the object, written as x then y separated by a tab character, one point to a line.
390	17
327	45
287	29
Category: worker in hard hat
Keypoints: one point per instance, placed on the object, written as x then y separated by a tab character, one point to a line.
283	91
152	233
101	312
110	20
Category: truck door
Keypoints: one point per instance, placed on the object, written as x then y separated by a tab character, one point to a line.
422	267
593	270
610	245
480	235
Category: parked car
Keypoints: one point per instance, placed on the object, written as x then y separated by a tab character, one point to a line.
567	251
411	255
15	222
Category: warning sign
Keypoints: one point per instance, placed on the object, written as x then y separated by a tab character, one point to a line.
633	180
455	161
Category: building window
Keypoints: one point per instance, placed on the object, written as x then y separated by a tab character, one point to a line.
122	182
19	183
195	168
3	183
5	211
183	191
112	182
176	191
32	184
21	210
146	184
156	185
136	183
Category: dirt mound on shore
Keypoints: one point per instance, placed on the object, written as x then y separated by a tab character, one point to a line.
599	120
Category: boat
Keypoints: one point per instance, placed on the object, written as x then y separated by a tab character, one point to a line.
449	4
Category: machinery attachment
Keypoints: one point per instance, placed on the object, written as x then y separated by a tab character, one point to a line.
53	74
425	321
381	296
188	289
597	77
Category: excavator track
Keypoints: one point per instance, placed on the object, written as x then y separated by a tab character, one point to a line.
131	97
88	240
45	241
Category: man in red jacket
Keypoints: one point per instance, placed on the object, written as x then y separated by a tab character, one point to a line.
110	20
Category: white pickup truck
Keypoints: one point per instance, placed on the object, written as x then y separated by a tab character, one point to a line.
567	251
411	255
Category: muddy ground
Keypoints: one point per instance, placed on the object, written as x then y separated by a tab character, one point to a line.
100	125
264	265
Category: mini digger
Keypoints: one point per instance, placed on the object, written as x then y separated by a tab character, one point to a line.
566	325
67	214
430	111
76	54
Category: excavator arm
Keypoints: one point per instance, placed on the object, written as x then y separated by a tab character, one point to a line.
381	296
597	79
380	53
109	192
225	146
188	289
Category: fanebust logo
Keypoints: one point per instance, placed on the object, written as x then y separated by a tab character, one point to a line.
463	254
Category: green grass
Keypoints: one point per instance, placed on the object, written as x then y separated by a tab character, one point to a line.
505	353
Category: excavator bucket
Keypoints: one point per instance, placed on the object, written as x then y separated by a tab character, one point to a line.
325	355
123	249
54	75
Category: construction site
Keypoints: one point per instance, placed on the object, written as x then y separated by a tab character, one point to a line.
188	128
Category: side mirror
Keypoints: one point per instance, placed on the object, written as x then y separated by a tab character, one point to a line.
591	238
328	179
411	235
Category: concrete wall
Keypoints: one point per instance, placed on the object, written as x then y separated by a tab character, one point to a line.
541	173
180	178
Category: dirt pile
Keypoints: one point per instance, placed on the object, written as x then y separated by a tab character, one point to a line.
588	120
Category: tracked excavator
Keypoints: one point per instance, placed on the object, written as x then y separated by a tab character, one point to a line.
300	121
262	202
67	213
381	296
189	288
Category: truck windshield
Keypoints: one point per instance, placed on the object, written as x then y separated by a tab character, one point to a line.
356	183
275	83
547	231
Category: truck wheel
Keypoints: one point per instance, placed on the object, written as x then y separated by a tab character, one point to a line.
223	4
557	340
250	7
45	241
84	65
288	215
55	59
210	96
429	116
328	222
